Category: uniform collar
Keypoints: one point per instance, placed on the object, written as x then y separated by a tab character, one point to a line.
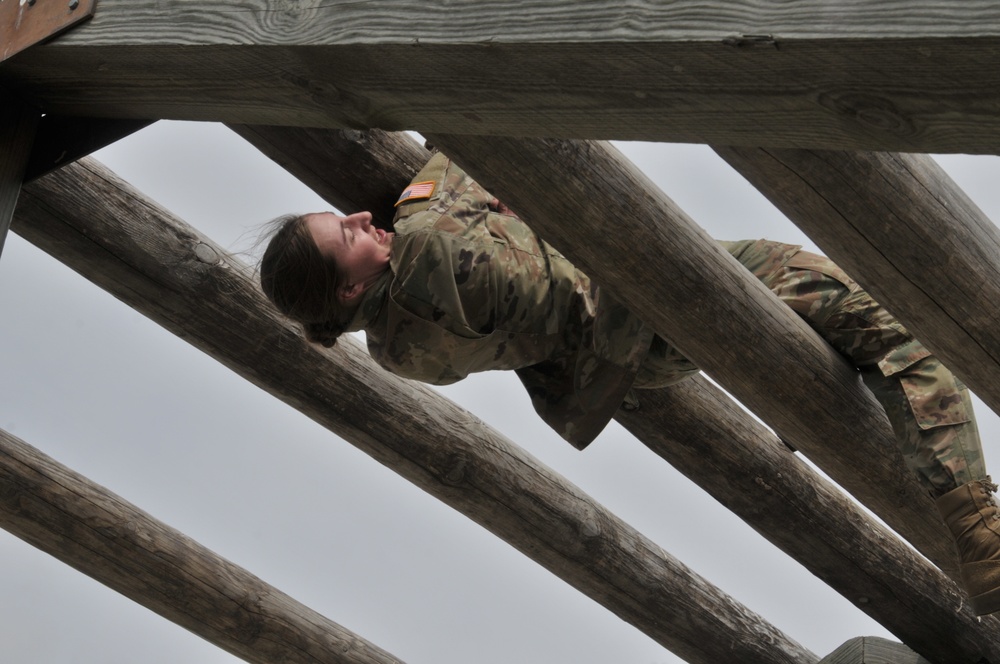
371	303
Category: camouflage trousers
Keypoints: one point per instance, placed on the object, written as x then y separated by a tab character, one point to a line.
928	407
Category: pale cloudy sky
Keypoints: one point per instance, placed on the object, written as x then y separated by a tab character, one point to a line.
111	395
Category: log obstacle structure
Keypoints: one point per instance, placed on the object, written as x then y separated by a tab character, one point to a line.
306	83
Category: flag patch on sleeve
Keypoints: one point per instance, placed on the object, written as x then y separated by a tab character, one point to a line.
416	191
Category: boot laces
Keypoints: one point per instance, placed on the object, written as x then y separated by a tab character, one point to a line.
989	488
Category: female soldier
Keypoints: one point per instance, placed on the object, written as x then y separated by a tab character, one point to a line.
463	285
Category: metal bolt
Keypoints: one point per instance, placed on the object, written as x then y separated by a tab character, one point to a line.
73	4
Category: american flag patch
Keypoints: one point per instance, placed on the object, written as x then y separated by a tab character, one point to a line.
416	191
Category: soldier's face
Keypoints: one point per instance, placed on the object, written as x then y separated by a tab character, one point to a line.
360	251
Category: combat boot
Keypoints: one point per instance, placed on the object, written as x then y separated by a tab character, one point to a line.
971	513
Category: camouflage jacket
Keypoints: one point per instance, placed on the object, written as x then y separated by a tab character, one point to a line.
472	290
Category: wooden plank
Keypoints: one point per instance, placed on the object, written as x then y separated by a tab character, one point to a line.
629	236
875	650
17	133
913	76
900	226
144	256
107	538
752	473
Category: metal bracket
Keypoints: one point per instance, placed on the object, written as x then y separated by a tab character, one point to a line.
24	23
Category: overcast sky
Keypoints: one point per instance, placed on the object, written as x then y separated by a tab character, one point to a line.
113	396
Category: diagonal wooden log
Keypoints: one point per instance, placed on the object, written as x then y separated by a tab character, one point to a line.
902	227
105	537
377	164
909	75
715	443
103	229
700	431
609	219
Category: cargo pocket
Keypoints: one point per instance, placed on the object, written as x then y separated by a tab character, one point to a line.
932	390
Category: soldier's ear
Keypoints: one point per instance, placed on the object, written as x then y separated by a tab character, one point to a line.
348	293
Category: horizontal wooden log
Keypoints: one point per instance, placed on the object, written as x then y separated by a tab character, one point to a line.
902	75
105	537
900	226
752	472
102	228
610	220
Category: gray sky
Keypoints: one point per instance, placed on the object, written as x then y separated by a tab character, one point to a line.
113	396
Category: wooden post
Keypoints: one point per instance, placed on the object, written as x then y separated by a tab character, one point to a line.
105	537
900	226
17	134
167	270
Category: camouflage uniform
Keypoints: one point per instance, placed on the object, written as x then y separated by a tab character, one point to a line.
471	289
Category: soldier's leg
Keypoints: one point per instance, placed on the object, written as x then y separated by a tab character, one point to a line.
929	409
931	414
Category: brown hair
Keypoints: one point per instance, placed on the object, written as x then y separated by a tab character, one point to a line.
300	282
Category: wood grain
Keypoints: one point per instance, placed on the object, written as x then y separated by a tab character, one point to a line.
907	76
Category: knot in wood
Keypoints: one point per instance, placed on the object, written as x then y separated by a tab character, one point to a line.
869	110
10	494
206	254
454	472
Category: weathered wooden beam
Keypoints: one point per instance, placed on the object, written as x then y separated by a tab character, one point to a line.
716	444
377	165
909	75
17	134
900	226
629	236
166	270
105	537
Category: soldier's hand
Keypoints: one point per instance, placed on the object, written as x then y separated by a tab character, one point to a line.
497	206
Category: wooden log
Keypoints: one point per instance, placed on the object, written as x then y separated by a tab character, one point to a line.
900	226
103	229
17	134
610	220
874	650
377	164
908	75
100	534
752	473
700	431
